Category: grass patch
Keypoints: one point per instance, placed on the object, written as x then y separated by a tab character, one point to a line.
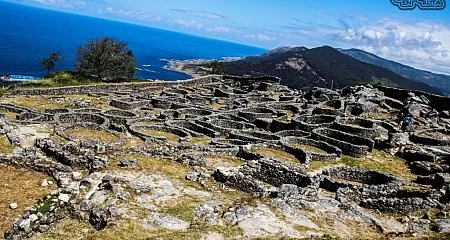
382	115
164	166
221	160
96	135
183	209
155	133
67	78
74	229
377	160
10	115
38	102
309	148
5	146
132	142
22	187
203	140
276	154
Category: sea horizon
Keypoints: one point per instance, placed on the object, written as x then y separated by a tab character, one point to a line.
27	39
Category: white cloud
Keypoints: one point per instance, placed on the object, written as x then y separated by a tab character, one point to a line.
186	23
424	45
140	15
202	14
62	3
222	29
259	37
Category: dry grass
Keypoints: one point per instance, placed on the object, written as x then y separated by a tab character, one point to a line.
67	229
10	115
20	186
96	102
5	146
203	140
132	142
382	115
219	160
89	134
37	102
183	208
276	154
164	166
155	133
74	229
377	160
217	106
309	148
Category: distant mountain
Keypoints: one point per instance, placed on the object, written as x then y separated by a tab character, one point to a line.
439	81
325	66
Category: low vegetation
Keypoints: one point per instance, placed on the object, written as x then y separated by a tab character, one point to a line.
19	186
309	148
276	154
68	78
220	160
5	145
155	133
163	166
377	160
96	135
203	140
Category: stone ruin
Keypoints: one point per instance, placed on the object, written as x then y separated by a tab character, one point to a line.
239	118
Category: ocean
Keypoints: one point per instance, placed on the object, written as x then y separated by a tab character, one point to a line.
28	34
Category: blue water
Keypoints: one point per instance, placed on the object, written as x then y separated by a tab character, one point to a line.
28	34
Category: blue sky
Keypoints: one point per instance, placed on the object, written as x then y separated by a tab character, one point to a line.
418	38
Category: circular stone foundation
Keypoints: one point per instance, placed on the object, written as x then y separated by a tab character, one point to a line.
310	122
160	133
318	150
343	177
82	119
119	116
90	134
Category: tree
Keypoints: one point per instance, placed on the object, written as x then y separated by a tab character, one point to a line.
217	67
106	58
49	62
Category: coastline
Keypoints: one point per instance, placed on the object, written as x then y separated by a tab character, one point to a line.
191	67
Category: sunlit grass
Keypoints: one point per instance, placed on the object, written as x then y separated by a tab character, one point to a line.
5	145
203	140
156	133
19	186
377	160
89	134
309	148
276	154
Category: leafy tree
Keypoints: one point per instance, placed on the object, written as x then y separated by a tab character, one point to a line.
106	58
217	67
49	62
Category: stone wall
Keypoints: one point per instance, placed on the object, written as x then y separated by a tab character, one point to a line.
85	89
436	101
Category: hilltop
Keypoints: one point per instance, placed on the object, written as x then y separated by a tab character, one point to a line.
223	157
440	81
304	68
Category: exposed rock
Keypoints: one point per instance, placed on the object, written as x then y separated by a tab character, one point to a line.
13	205
128	163
425	168
259	222
99	217
442	225
64	197
168	222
